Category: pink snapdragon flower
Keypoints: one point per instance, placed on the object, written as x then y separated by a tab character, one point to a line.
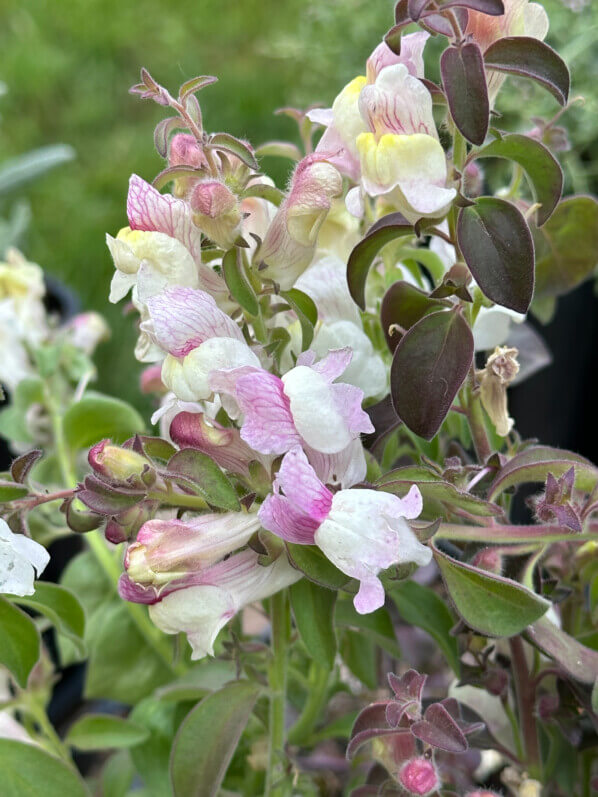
202	603
198	337
360	531
290	242
304	407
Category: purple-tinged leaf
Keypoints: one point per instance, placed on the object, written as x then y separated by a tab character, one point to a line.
105	499
234	146
173	173
453	707
576	659
541	168
162	131
567	246
438	23
21	466
494	8
384	419
440	730
438	95
79	520
387	229
498	248
532	58
464	81
395	711
535	463
490	604
394	35
428	368
402	13
370	724
409	686
403	306
196	84
416	8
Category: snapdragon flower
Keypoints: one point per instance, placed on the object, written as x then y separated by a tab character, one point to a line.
21	561
360	531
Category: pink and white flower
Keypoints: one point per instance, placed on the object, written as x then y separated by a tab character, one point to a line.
201	604
290	243
360	531
198	338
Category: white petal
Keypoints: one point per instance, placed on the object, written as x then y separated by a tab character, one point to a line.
492	326
366	369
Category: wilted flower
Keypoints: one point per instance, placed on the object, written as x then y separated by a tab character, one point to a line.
21	561
290	243
501	368
361	531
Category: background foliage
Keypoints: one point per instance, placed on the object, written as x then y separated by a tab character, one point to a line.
67	68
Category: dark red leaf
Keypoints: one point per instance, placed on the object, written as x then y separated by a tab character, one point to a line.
464	80
416	8
404	305
440	730
498	248
19	470
494	8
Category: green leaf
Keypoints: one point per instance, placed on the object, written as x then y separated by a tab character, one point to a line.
422	607
17	171
498	248
306	312
117	775
264	191
96	417
579	661
464	81
376	625
207	739
20	646
237	283
490	604
566	247
313	608
440	497
206	476
28	771
535	463
195	84
359	654
384	231
532	58
204	677
9	491
62	608
228	143
428	368
315	566
404	305
541	168
151	758
101	731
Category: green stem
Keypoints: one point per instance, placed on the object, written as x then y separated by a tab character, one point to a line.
38	714
518	535
475	417
525	692
316	695
514	729
277	675
179	499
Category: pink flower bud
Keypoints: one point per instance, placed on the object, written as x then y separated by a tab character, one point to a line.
185	151
115	462
223	445
488	559
216	211
482	793
419	776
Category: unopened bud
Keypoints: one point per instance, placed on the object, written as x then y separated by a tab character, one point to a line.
474	179
185	151
482	793
419	776
223	444
488	559
115	462
216	212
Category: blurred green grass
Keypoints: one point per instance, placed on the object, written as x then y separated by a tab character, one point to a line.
68	65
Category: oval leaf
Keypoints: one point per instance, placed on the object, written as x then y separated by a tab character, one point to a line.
382	232
205	474
237	282
498	248
101	731
535	463
96	417
313	608
428	368
61	607
464	81
579	661
490	604
404	305
529	57
567	247
19	650
541	167
28	771
207	739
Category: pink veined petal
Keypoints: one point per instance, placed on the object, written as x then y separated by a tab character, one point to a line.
370	595
348	400
412	503
183	318
334	364
278	515
397	103
302	487
345	161
268	426
411	56
306	358
346	468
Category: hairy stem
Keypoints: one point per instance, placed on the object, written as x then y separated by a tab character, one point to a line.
277	676
526	694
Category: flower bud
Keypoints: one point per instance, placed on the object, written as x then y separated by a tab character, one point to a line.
216	212
488	559
419	776
169	549
482	793
224	445
115	462
185	151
